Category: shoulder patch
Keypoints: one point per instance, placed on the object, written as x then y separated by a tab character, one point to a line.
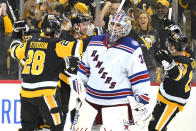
135	43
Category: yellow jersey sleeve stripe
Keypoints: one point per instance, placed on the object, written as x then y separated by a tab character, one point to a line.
64	78
7	24
20	51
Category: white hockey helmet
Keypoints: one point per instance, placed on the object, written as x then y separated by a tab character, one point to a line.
119	19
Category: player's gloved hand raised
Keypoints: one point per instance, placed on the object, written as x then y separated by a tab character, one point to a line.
72	63
21	26
165	58
167	23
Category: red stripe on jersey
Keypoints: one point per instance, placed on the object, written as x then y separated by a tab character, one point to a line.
110	94
145	97
140	77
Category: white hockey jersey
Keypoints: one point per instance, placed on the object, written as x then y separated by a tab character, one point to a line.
110	74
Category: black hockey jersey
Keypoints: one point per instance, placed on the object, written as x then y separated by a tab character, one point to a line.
175	88
43	58
79	46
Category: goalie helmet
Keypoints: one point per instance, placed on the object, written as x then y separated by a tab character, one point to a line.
119	26
51	25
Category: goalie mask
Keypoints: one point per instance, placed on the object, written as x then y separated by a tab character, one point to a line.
51	25
119	26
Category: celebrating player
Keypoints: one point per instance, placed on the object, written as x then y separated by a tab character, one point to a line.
175	89
42	58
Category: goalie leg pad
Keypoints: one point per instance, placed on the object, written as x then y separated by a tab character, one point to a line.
86	117
115	118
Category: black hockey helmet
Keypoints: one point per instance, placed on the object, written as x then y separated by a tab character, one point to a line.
79	18
178	40
51	25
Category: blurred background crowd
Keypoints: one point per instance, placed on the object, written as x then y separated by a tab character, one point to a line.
146	15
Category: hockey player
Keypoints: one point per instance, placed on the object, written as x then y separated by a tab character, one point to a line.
111	70
175	89
43	58
78	34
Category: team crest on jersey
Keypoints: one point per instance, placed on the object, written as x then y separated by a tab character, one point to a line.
148	40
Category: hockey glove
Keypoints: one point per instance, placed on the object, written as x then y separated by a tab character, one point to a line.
165	58
21	26
72	63
167	23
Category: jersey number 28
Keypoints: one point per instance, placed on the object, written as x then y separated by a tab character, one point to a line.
34	63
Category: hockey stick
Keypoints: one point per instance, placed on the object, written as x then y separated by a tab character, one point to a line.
76	116
15	18
170	13
121	5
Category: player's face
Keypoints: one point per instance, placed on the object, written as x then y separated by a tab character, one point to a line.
84	27
171	48
143	21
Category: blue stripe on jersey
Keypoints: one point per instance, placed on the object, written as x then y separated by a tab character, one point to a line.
137	74
144	99
83	69
116	94
109	98
123	49
114	91
139	77
90	44
140	81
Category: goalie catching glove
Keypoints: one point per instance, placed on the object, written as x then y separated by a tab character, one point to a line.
165	58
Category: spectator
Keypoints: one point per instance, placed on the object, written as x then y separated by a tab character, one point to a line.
79	7
143	5
149	41
34	13
109	9
162	9
5	28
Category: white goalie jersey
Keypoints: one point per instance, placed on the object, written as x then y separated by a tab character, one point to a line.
110	74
